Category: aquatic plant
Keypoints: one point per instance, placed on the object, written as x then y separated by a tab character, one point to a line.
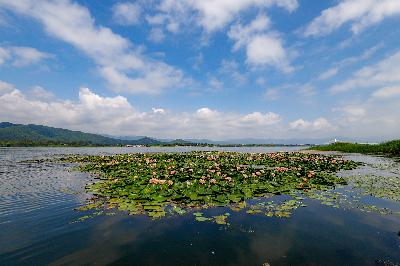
163	183
390	148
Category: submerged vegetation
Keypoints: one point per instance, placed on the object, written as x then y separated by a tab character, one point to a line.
389	148
161	184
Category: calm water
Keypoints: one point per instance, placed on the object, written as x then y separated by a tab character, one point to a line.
37	215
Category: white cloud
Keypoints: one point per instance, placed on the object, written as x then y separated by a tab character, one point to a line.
354	111
126	13
95	113
360	13
299	124
329	73
349	61
125	69
384	73
351	113
99	114
4	55
261	48
267	50
372	118
261	119
318	124
213	15
242	35
157	19
387	92
6	87
39	93
22	56
303	92
158	110
206	113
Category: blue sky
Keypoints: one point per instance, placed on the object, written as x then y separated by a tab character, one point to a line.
214	69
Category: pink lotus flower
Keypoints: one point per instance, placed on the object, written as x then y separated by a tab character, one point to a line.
228	178
157	181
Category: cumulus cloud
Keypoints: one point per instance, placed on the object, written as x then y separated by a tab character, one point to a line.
115	115
267	50
40	93
126	13
318	124
261	119
22	56
158	110
124	68
262	48
370	118
242	35
382	74
6	87
360	13
206	113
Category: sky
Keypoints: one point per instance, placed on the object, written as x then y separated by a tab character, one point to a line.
217	69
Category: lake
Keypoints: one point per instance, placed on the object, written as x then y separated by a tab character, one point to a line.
39	223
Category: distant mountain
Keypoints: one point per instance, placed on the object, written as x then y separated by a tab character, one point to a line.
250	141
33	135
126	137
17	134
180	142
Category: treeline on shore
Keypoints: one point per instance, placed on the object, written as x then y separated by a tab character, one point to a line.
390	148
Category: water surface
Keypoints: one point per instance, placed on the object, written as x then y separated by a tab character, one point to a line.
37	202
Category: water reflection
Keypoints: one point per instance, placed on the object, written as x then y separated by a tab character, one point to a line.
36	228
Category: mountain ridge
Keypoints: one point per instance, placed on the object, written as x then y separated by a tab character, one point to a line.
31	134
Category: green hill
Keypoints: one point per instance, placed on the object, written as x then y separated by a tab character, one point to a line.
36	135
